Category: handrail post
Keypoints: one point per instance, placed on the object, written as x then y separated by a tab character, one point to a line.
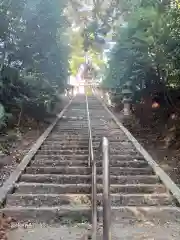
106	191
94	202
90	135
89	155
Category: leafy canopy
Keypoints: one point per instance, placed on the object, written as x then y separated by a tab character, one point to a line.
33	54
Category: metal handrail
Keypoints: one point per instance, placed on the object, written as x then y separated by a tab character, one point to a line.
106	191
103	151
92	164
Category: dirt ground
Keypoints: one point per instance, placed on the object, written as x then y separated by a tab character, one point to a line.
153	138
20	145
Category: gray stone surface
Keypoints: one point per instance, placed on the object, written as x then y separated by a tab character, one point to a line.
39	232
145	231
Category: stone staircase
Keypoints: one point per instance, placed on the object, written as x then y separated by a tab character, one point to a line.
139	200
133	182
56	187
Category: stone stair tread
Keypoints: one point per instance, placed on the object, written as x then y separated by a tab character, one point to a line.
78	156
55	178
87	176
127	185
49	187
130	179
64	163
86	188
48	199
90	184
116	156
143	229
120	214
58	147
39	232
54	175
81	141
61	170
62	151
79	146
98	168
143	209
69	195
69	142
45	214
78	199
160	214
126	156
116	163
85	170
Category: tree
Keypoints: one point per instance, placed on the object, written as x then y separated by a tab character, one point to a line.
34	56
78	53
147	49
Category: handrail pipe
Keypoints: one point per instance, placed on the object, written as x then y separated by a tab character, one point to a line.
106	191
92	164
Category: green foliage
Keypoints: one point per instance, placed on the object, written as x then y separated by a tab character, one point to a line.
78	53
147	51
33	56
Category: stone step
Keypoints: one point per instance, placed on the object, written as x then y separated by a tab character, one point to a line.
70	123
78	179
83	142
68	147
87	170
79	144
73	135
85	157
71	127
139	200
67	162
70	132
74	116
155	215
75	214
59	170
86	188
120	150
59	163
57	179
67	142
47	232
70	116
49	215
96	138
51	200
44	188
62	151
126	156
62	157
78	122
66	137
